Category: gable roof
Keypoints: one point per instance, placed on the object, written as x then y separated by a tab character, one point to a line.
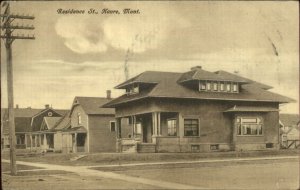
289	120
167	86
51	121
93	105
63	123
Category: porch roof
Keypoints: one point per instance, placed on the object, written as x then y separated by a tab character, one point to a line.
79	129
251	109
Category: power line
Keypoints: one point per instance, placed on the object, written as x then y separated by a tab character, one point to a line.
7	28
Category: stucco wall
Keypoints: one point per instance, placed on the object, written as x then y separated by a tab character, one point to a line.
101	138
216	127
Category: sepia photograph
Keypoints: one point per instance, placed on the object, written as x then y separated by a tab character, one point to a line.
150	95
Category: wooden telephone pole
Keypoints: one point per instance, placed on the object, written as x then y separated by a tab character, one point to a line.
7	29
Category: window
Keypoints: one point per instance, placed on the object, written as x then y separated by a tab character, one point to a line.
214	147
20	139
172	127
234	88
79	118
249	126
138	128
50	114
134	89
222	86
191	127
215	86
112	126
195	148
208	86
202	85
228	87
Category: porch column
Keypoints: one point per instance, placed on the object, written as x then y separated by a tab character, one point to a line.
45	141
75	143
133	119
25	141
40	140
158	124
118	135
35	141
30	141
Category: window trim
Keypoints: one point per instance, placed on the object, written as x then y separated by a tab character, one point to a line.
110	126
241	126
191	118
176	124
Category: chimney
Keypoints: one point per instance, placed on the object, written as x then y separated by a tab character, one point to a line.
196	68
17	106
47	106
108	94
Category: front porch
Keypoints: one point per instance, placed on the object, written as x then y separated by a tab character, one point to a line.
142	132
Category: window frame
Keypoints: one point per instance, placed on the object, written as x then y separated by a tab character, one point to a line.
110	126
79	119
241	127
198	127
202	86
175	134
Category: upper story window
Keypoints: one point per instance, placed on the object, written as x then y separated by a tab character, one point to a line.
112	126
249	126
228	87
234	87
79	118
215	86
202	85
208	86
219	86
133	89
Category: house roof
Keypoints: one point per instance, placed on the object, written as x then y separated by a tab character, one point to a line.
23	118
251	109
200	74
51	121
93	105
289	119
79	129
235	77
168	87
63	123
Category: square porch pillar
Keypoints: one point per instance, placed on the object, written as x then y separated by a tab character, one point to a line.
30	141
45	141
155	126
118	135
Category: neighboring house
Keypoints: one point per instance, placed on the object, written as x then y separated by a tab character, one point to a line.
289	130
87	128
196	111
27	125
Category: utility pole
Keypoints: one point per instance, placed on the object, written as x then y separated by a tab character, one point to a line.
7	29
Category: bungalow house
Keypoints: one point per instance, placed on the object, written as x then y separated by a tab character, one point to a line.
289	130
27	125
196	111
86	128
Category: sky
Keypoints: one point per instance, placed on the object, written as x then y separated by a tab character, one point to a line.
84	54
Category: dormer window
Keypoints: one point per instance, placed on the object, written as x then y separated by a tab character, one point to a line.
133	89
222	86
202	85
219	86
228	87
208	86
215	86
234	88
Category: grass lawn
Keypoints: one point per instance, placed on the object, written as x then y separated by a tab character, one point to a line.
122	158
